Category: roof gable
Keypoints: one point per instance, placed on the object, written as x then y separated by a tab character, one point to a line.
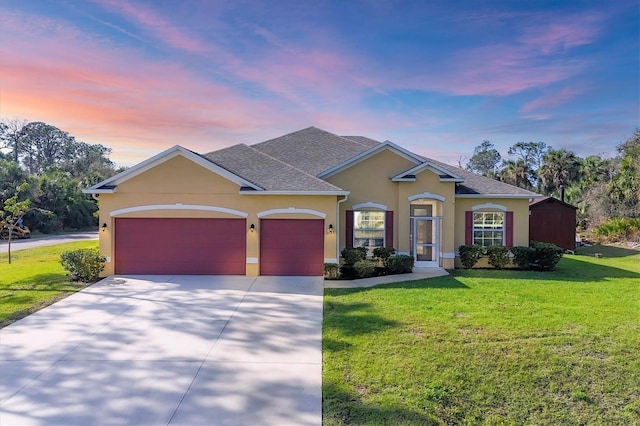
109	185
443	174
362	156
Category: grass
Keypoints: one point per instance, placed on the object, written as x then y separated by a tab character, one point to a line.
34	279
489	347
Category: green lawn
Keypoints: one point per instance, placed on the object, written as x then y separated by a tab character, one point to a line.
489	347
34	280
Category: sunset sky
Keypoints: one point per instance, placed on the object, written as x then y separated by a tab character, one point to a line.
437	77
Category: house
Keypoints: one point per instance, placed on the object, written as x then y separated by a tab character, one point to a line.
553	221
287	205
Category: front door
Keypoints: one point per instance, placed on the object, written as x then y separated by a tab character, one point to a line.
425	241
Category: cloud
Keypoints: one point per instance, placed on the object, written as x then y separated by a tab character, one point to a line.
549	101
155	25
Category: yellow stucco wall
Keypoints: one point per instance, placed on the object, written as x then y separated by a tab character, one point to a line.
369	181
180	183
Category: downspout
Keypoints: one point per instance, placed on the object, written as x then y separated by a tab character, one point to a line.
338	227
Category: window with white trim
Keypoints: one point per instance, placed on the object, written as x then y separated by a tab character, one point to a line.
488	228
368	229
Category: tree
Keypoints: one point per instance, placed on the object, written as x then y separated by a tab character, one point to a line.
10	136
13	211
517	173
559	168
485	159
531	153
44	146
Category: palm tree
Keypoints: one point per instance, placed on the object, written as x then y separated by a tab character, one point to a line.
517	173
559	168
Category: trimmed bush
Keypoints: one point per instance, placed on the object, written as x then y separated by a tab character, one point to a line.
83	265
383	254
351	255
364	268
522	256
498	256
470	254
331	271
545	256
400	264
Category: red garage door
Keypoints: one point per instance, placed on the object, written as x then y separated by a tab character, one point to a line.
291	247
180	246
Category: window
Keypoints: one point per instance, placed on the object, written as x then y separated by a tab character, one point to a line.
368	229
488	228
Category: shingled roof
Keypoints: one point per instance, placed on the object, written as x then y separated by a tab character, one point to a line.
265	171
292	163
312	150
480	185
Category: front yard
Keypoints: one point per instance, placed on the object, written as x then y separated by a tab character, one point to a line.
34	279
489	347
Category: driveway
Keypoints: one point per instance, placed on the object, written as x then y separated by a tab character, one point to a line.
159	350
46	241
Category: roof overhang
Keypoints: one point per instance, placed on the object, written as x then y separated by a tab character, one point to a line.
294	192
410	175
109	185
522	196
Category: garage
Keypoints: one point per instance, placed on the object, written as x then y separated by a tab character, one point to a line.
195	246
292	247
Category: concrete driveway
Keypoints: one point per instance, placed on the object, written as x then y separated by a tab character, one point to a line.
158	350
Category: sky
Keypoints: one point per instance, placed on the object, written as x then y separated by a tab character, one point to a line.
436	77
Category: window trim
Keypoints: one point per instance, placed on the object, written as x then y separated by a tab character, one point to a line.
502	229
383	229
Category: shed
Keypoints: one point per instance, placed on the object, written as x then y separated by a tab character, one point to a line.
553	221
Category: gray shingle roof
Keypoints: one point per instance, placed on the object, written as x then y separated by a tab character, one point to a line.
265	171
311	150
476	184
292	162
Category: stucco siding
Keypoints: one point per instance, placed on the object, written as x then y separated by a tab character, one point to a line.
189	188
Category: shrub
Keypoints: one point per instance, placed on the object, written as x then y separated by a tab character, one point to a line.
353	254
84	264
383	254
545	256
331	270
400	264
522	256
364	268
498	256
470	254
619	229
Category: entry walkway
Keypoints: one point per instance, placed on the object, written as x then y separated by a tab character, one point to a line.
160	350
417	274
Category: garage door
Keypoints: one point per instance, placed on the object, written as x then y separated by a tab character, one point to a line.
180	246
291	247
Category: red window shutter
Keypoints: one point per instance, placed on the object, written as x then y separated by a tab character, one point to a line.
508	225
348	228
388	229
468	227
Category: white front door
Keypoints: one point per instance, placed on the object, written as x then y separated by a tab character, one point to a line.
426	235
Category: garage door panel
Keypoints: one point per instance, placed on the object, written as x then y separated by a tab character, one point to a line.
292	247
180	246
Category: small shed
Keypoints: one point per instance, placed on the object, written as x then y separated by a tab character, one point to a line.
553	221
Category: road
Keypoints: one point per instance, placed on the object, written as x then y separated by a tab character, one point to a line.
46	241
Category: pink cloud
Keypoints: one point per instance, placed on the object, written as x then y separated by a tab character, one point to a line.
156	26
554	36
550	101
